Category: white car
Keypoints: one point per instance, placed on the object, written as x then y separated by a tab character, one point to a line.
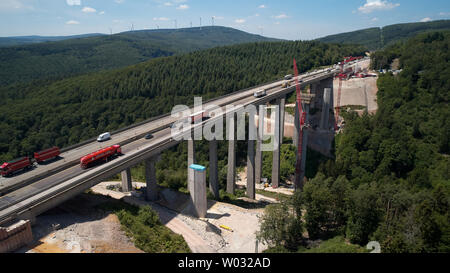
104	137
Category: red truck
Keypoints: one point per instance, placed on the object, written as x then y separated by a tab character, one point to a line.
47	154
15	165
101	155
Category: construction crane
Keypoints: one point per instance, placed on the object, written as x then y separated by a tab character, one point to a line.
298	166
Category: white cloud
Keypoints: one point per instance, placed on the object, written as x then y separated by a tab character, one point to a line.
101	12
426	19
88	10
183	7
444	13
160	19
374	19
239	21
219	17
168	4
119	1
377	5
281	16
73	2
72	22
262	7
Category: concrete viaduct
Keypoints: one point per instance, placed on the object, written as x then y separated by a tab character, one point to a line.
52	185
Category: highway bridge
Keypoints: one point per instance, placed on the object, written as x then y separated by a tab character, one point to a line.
29	194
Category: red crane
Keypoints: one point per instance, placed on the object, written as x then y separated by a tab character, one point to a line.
298	166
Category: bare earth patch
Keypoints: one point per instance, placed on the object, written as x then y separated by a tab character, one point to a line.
76	227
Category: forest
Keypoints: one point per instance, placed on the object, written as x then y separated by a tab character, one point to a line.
390	179
64	112
378	38
83	55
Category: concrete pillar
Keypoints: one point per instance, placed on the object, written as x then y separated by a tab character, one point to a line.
299	178
151	193
127	184
258	155
296	126
198	194
251	162
231	173
276	150
324	120
282	116
191	160
251	169
269	120
213	169
314	90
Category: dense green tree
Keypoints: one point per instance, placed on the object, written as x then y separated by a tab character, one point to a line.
281	227
36	116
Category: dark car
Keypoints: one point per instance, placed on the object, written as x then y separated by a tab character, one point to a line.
148	136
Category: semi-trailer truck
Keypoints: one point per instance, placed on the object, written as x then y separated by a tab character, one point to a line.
22	163
100	155
48	154
16	165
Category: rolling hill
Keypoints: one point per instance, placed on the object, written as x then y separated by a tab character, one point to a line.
34	39
90	54
377	38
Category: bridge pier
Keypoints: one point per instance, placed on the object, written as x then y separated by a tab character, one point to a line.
299	178
151	193
231	173
191	160
127	184
198	194
327	103
296	126
282	118
324	119
260	138
251	158
213	169
278	141
315	89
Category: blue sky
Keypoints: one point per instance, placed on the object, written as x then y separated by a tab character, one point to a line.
286	19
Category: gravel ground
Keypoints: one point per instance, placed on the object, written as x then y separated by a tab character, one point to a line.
75	227
202	235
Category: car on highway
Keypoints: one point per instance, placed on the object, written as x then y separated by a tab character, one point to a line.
104	137
288	77
260	93
148	136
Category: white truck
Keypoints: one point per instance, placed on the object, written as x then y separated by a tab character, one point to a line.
260	93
